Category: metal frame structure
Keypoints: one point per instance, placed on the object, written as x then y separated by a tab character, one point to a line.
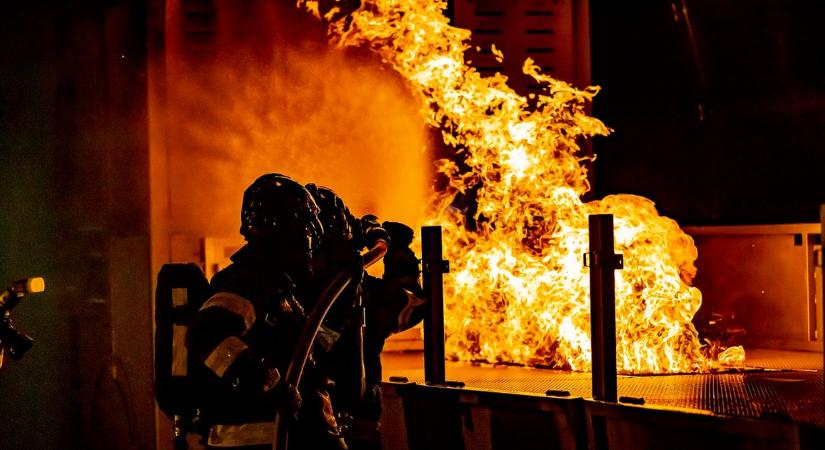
780	264
601	260
822	264
602	263
493	419
433	267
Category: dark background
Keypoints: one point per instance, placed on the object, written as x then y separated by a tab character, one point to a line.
74	200
755	152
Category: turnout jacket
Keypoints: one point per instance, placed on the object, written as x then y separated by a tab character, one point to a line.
245	334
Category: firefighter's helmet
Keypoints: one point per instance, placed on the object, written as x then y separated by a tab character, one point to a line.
335	216
277	209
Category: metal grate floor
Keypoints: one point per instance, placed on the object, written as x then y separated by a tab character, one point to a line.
778	390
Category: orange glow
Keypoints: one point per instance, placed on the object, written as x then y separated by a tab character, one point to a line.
285	103
518	292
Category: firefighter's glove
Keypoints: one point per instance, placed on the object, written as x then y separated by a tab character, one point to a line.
400	234
370	231
287	400
400	260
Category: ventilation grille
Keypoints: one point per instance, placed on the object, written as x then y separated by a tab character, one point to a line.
199	27
539	29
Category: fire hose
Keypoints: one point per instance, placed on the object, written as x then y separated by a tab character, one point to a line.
328	296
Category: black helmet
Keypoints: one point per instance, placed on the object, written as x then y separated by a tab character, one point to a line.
277	209
335	216
337	252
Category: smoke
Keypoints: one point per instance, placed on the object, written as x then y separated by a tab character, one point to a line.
298	107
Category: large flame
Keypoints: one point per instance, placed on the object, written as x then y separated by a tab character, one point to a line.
519	292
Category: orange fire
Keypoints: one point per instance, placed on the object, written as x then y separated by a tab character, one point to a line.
518	291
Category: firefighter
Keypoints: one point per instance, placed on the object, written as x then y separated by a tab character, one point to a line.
245	333
394	303
388	304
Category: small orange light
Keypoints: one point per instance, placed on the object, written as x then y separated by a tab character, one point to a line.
35	285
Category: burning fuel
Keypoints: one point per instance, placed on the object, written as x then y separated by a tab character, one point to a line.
518	291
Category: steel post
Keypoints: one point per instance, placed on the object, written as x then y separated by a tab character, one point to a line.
433	268
603	262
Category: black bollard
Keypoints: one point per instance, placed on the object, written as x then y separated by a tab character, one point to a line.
433	267
603	263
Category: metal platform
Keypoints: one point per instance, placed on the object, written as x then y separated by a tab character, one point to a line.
777	385
777	401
